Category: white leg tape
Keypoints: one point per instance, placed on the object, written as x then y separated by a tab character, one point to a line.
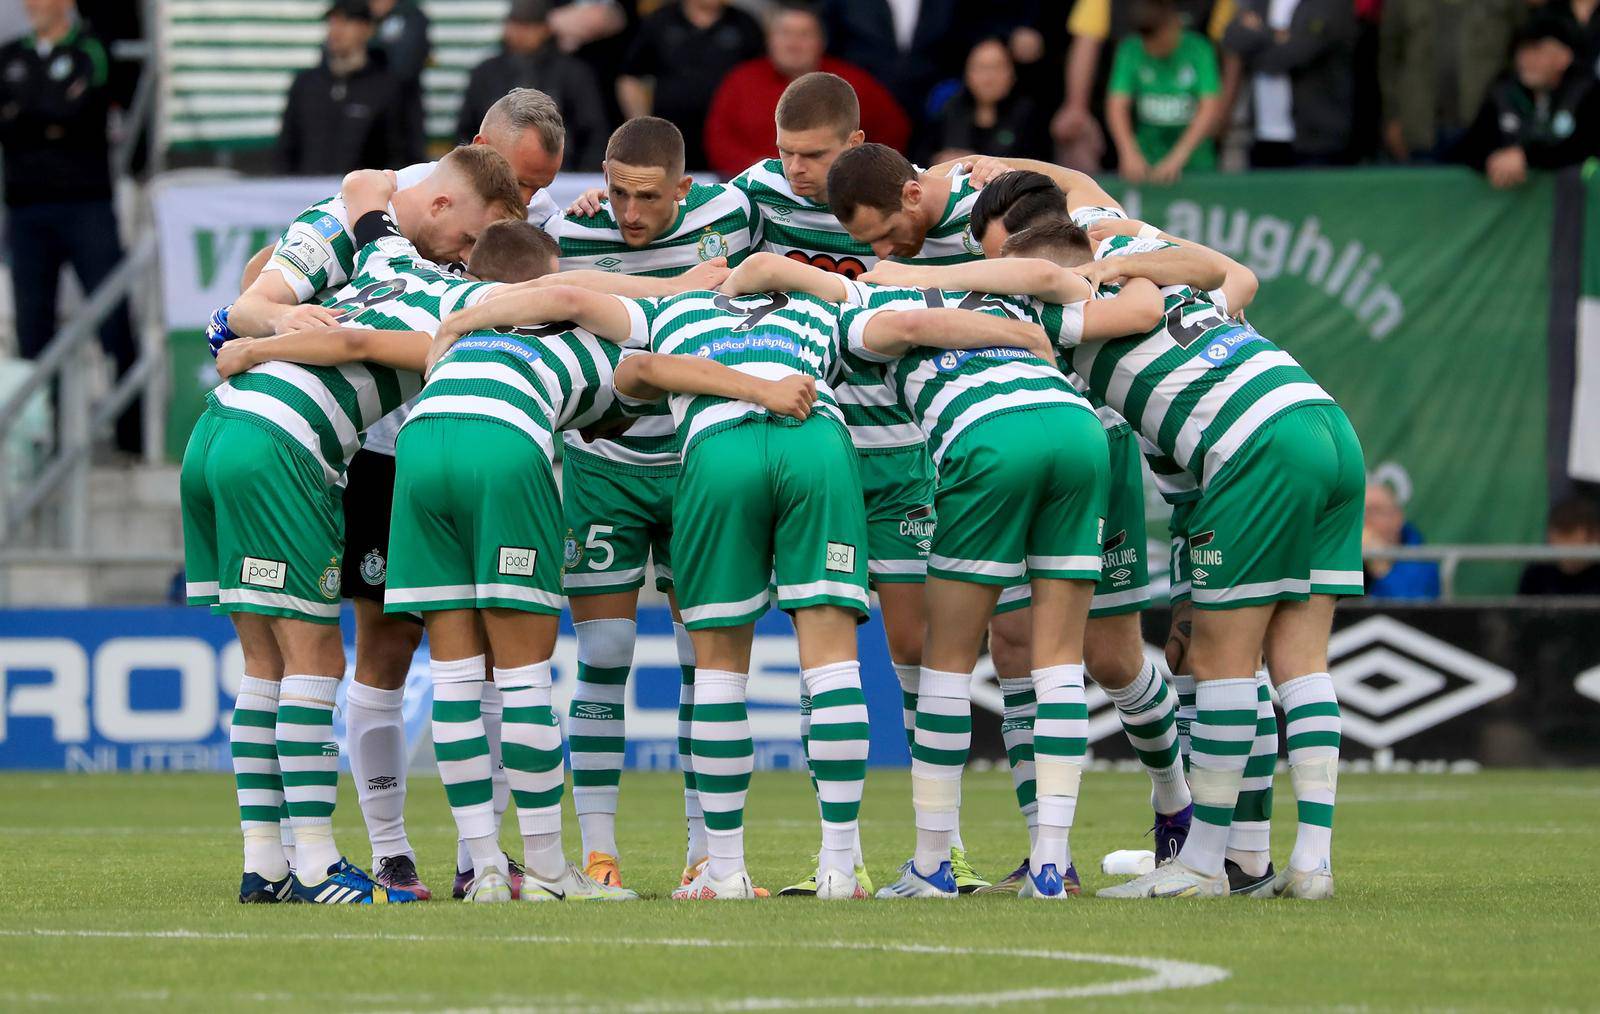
1319	774
1214	788
1055	777
935	794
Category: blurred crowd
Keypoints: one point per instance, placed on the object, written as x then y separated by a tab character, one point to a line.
1150	89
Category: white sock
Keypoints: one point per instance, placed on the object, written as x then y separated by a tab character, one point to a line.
375	738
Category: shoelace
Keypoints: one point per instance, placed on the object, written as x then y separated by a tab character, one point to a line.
398	869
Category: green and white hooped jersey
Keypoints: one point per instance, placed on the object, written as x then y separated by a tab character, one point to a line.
804	230
396	289
713	221
1199	385
327	410
949	392
716	220
770	335
800	228
316	254
536	379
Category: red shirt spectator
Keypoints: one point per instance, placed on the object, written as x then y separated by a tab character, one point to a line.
739	126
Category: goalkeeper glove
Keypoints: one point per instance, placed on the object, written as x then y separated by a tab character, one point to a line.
217	331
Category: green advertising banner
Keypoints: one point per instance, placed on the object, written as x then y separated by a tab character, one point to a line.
1418	299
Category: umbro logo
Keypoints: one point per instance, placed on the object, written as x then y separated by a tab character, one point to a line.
382	782
593	710
1588	683
1394	681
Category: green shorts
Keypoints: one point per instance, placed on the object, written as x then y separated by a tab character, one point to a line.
472	529
1023	495
899	487
262	531
1282	520
616	519
1125	551
769	502
1178	566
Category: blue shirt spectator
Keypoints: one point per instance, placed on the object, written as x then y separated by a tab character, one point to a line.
1386	526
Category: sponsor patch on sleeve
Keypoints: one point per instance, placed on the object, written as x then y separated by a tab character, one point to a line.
304	250
327	226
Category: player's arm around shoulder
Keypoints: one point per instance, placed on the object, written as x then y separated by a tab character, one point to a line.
887	334
1135	309
771	272
1005	276
707	275
650	376
327	346
605	316
1196	264
1080	188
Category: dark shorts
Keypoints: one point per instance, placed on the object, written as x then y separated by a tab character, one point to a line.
368	499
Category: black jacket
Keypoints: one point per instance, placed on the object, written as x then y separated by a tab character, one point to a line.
333	124
862	32
1556	129
566	79
1319	57
1017	131
53	120
401	41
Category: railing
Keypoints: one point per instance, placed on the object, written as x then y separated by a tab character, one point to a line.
1450	557
78	419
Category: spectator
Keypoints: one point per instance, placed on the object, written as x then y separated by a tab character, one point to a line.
1583	18
53	110
597	32
1573	522
1300	54
1386	527
344	113
401	39
531	58
1542	114
1436	61
686	48
740	127
989	116
1094	25
1165	77
909	45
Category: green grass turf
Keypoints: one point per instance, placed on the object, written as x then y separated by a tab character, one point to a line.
1455	891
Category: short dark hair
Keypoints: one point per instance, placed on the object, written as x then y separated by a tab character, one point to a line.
819	99
868	175
1151	16
490	176
1059	240
513	252
1573	513
1017	199
648	141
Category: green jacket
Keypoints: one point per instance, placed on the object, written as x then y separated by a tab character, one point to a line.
1408	39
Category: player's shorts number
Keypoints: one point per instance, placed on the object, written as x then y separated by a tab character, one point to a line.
596	542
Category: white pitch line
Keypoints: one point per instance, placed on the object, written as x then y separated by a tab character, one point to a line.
1165	973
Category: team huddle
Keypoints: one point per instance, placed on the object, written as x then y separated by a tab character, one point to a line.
837	374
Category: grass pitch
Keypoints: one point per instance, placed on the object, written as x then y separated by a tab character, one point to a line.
1455	892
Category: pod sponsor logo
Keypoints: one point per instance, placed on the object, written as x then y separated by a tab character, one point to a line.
263	573
841	558
517	561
